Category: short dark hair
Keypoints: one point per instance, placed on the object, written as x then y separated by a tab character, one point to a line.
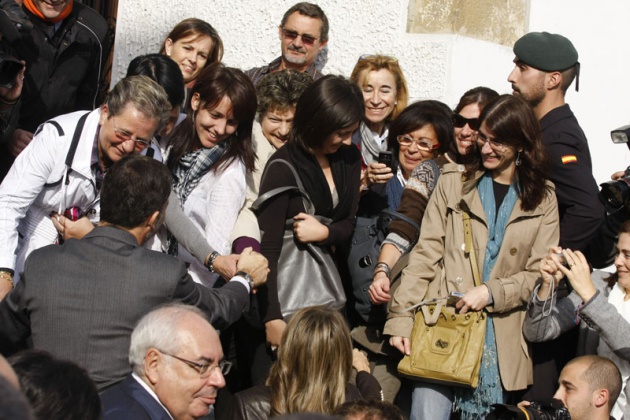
133	189
568	76
419	114
329	104
369	410
56	389
601	373
281	90
164	71
311	10
194	26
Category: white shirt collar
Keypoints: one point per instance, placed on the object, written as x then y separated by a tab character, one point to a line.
150	391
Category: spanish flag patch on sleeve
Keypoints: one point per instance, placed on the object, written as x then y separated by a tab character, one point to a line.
568	159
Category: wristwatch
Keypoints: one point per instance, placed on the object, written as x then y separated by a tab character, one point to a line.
247	278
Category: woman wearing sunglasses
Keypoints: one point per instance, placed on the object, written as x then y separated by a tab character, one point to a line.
514	220
421	184
385	95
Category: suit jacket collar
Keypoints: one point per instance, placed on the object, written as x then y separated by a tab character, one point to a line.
136	391
113	233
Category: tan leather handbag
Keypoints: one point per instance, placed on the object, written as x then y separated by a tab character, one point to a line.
447	346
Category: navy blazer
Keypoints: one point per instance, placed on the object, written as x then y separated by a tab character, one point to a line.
129	400
81	300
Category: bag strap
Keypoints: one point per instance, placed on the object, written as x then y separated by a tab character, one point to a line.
309	207
410	221
75	142
468	246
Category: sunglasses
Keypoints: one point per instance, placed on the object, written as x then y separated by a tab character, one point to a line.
291	35
460	122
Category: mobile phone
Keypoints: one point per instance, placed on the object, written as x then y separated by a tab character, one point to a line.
386	158
453	298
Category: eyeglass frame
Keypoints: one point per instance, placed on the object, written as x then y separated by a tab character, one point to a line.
419	143
204	369
459	121
478	137
124	136
307	39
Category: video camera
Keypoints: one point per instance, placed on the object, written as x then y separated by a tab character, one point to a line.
13	25
616	193
552	410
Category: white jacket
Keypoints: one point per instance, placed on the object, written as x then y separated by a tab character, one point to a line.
34	187
213	206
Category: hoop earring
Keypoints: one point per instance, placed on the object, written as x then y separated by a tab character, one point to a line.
518	159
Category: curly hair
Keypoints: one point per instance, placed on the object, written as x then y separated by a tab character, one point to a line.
280	90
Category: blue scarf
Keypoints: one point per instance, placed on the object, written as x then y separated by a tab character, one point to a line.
475	403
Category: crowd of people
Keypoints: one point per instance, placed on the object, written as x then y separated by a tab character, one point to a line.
185	244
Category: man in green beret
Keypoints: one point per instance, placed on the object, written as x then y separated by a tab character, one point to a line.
544	67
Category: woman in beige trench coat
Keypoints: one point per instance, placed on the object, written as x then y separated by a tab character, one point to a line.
514	216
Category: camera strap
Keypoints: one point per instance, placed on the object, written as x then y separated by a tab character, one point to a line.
74	144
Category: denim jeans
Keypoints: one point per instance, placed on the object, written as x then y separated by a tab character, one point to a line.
431	402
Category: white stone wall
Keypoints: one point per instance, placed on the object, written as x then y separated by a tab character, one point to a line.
436	66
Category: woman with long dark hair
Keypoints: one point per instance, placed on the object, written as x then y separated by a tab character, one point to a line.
514	220
210	152
420	186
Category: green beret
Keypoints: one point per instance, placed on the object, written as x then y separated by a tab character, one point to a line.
545	51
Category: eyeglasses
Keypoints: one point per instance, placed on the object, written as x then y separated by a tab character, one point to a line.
291	35
423	144
124	136
204	369
481	139
459	122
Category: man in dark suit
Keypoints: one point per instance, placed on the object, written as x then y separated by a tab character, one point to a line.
177	364
81	300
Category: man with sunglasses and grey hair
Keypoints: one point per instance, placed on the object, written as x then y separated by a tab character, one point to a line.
178	367
303	33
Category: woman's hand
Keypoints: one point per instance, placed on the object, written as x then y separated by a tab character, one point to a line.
377	173
578	273
69	229
360	361
274	330
379	289
403	344
549	272
308	229
474	299
225	265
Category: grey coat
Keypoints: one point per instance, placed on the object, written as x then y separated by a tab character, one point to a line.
599	319
81	300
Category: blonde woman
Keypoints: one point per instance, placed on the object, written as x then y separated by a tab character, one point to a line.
315	360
